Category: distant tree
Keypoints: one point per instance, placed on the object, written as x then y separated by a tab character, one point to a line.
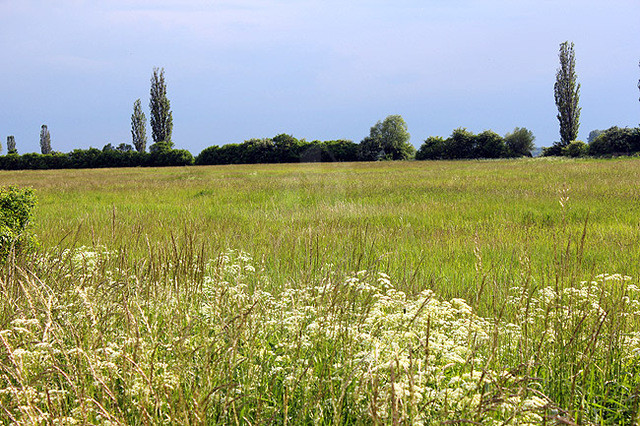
45	140
460	144
370	149
433	148
616	141
287	148
124	147
567	95
258	151
489	144
519	143
138	127
555	150
108	147
11	145
388	139
161	117
160	146
339	150
594	134
575	149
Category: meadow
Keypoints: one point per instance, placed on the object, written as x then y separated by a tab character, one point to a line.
492	292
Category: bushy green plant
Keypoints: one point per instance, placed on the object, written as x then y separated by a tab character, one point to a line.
106	343
387	140
431	149
616	141
519	143
16	208
575	149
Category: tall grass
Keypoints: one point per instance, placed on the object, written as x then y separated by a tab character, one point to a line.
383	293
96	337
422	222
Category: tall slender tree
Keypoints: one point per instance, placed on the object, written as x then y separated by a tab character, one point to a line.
45	140
567	94
139	127
161	117
11	145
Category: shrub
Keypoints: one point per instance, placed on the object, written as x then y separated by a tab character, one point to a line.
489	144
460	144
575	149
519	143
16	206
171	157
339	150
431	149
554	150
616	141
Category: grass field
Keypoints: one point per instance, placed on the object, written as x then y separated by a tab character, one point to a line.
397	292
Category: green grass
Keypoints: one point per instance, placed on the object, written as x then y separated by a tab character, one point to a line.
421	222
514	238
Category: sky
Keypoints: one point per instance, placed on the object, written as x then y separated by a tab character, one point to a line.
316	69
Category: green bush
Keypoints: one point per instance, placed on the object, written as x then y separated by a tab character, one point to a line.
16	209
432	149
575	149
615	141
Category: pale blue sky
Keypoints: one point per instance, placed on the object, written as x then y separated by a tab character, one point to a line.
316	69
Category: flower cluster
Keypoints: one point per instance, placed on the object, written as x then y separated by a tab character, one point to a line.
94	342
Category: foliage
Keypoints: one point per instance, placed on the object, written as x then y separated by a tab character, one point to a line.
122	156
519	143
11	145
138	127
124	147
16	211
575	149
282	148
462	144
489	144
45	140
171	157
370	149
287	149
433	148
593	135
159	105
387	140
555	150
160	146
567	95
616	141
337	150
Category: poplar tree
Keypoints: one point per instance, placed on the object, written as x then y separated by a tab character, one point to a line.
161	118
45	140
11	145
567	94
138	127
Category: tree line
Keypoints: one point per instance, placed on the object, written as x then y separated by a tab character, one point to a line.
387	140
601	143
